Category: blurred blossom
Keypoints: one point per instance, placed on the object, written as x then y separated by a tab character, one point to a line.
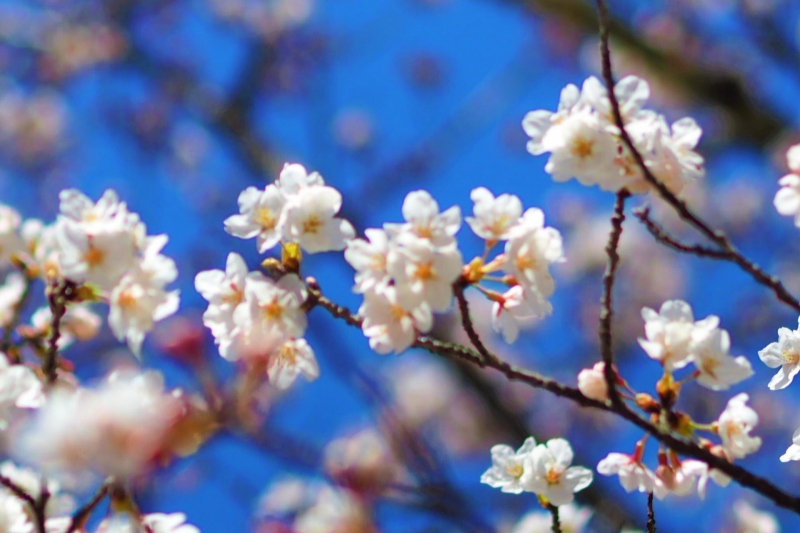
361	462
265	17
335	511
751	520
73	48
354	129
32	126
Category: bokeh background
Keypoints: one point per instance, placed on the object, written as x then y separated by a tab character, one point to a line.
181	104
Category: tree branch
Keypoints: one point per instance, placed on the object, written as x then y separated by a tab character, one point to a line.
687	214
606	312
661	235
556	527
651	515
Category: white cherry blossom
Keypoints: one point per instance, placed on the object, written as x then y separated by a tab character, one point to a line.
423	274
494	217
550	474
261	215
370	259
311	220
509	467
537	123
293	358
734	426
718	370
530	251
670	333
633	475
13	515
271	311
784	354
140	299
793	452
224	291
295	177
20	388
391	326
421	213
11	292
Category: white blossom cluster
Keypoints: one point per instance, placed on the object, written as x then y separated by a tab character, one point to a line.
406	271
584	142
544	469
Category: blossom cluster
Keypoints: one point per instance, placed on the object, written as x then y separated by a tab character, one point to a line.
544	469
585	143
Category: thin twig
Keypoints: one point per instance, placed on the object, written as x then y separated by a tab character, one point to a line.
466	320
556	527
651	515
36	504
661	235
81	515
56	297
606	311
716	236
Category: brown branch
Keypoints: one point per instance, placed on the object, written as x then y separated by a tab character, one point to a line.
716	236
742	476
37	504
651	515
661	235
56	298
466	321
606	311
556	527
80	516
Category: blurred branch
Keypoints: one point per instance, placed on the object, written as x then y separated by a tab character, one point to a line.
661	235
723	89
651	515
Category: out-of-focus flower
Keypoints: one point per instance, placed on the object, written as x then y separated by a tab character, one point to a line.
751	520
734	426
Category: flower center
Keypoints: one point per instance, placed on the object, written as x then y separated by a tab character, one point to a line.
265	218
425	272
525	262
515	470
272	310
312	224
582	147
791	357
94	257
553	476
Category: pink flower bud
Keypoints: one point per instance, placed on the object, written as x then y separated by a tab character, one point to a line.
592	382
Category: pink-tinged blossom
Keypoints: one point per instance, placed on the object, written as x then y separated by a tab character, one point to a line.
261	215
784	354
116	429
717	369
509	467
670	333
787	199
734	426
370	260
389	324
11	292
751	520
79	322
494	217
705	473
633	475
537	123
513	307
421	213
294	177
680	479
551	475
336	510
592	382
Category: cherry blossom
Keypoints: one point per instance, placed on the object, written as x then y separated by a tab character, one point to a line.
787	199
509	467
530	251
717	369
422	274
512	307
784	354
793	452
734	426
751	520
670	333
311	220
19	388
370	259
421	213
390	325
10	240
550	474
293	358
633	475
261	215
494	217
592	382
167	523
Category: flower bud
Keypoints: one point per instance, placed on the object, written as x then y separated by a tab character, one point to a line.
592	382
